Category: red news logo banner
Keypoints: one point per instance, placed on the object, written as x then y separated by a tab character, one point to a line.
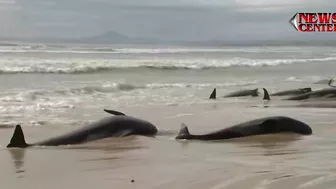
314	22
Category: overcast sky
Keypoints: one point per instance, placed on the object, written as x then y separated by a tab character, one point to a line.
165	19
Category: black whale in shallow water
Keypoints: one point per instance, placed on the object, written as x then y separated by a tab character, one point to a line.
323	81
326	93
267	125
115	126
245	92
292	92
322	93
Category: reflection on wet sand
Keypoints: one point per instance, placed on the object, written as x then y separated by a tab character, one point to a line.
274	144
18	156
108	150
113	152
279	145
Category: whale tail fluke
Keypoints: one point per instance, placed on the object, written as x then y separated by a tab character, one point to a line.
184	132
255	92
18	139
266	95
113	112
213	94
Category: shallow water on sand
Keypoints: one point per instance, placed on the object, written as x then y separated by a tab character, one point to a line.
273	161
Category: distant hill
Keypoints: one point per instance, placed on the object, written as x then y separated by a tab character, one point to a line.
112	37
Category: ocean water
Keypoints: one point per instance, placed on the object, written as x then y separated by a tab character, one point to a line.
38	80
51	89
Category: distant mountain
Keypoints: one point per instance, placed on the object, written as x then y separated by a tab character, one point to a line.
112	37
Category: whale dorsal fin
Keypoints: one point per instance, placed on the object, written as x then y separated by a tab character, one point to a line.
330	81
213	94
113	112
18	139
184	130
266	95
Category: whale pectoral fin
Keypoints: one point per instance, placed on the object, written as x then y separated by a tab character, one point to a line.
113	112
266	95
213	94
106	134
18	139
269	126
96	136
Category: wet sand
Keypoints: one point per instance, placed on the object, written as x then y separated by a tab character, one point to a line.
270	161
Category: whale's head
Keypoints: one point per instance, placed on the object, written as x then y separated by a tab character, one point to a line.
286	124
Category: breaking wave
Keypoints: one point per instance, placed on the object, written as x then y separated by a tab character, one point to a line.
9	66
110	88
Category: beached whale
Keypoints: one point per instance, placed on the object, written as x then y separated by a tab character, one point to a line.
246	92
292	92
326	93
114	126
322	81
262	126
322	93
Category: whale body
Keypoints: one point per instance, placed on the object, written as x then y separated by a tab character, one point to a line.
113	126
292	92
322	93
245	92
262	126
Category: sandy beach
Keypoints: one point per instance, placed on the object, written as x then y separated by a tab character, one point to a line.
254	162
